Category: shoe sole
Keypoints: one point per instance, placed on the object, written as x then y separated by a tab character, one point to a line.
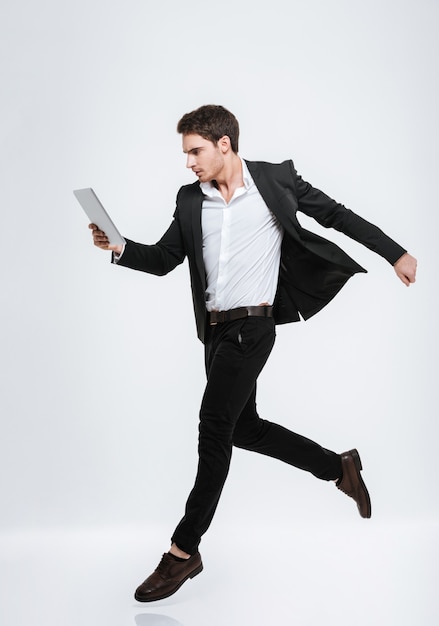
194	573
359	467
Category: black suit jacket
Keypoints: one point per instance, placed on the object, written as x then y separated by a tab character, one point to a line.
312	269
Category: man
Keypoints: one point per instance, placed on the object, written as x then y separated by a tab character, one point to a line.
252	266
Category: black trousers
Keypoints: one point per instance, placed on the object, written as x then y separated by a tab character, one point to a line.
235	354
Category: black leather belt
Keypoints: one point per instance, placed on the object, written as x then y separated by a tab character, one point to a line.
219	317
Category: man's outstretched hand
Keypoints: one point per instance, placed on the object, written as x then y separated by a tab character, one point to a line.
405	269
100	240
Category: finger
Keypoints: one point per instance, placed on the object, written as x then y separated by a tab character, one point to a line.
100	239
411	276
404	279
99	235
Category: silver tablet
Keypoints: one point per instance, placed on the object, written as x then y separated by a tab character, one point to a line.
98	215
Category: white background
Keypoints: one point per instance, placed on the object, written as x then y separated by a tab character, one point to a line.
102	373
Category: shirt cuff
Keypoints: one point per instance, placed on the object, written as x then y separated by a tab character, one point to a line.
117	257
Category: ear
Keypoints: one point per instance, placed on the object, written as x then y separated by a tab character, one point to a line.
224	144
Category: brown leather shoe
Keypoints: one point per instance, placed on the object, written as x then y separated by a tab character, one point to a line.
352	484
168	577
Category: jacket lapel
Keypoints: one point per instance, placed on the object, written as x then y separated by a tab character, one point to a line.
275	194
196	202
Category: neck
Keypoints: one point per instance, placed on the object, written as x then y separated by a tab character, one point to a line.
230	177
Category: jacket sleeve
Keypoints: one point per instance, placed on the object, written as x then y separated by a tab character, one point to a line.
160	258
331	214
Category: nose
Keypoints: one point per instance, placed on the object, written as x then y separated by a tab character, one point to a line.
190	161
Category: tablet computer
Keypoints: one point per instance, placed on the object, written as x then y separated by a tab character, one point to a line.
98	215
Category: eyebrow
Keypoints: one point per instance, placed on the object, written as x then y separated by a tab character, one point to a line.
192	149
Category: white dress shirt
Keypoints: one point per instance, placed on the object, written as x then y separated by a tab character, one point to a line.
241	247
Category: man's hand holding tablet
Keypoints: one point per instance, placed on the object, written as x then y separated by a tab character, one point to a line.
100	240
105	234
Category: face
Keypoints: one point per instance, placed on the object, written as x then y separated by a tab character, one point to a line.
204	158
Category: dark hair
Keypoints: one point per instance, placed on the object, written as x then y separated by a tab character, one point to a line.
212	122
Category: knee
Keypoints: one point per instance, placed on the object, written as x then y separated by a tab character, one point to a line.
211	428
247	436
